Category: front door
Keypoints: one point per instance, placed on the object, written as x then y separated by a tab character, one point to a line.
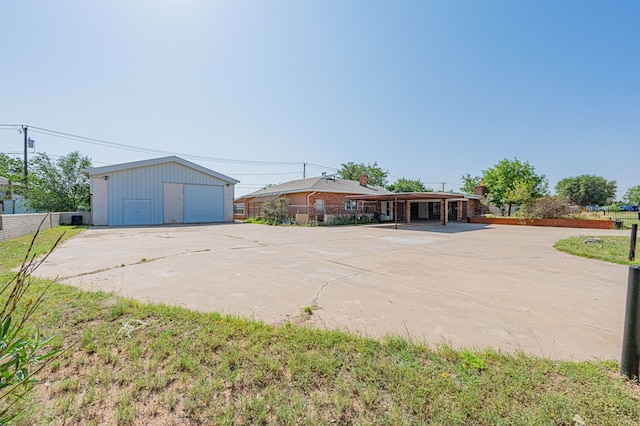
386	210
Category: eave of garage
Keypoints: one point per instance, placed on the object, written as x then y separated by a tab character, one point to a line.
156	161
407	197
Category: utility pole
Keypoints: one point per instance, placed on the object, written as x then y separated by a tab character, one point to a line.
26	138
443	186
304	170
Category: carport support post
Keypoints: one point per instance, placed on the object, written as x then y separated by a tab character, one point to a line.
395	211
632	243
630	347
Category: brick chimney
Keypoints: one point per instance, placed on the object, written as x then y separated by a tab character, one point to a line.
480	189
364	180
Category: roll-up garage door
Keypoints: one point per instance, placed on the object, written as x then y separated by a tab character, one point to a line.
203	203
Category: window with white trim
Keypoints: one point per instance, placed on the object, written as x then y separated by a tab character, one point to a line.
351	205
238	208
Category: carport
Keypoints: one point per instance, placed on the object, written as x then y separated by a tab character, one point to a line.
398	206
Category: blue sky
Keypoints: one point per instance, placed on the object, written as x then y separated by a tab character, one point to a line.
431	90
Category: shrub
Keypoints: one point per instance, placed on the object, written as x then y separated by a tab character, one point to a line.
554	207
276	211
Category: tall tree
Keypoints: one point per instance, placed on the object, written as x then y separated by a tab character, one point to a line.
12	169
408	185
60	185
469	183
632	196
587	189
511	181
352	171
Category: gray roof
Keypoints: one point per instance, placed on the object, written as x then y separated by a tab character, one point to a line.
320	184
157	161
4	181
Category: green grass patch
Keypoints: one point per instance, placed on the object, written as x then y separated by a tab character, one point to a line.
614	249
12	252
258	220
138	363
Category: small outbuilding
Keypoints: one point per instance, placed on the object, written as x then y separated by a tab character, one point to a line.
159	191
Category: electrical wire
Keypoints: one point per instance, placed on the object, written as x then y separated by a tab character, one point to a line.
134	148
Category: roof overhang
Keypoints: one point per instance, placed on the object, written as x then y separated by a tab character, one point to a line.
156	161
407	196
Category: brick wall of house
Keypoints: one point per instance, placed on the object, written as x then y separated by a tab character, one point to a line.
334	204
474	207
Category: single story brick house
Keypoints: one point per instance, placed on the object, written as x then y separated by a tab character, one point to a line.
322	198
326	198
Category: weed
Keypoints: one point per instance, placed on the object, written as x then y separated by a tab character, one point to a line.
472	361
126	410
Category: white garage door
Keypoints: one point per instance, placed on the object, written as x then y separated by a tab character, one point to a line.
203	203
136	211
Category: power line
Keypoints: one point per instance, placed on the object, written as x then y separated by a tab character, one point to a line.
322	167
127	147
266	174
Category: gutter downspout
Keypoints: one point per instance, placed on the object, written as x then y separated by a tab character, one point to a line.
308	196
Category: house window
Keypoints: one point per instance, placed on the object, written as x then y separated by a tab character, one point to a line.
350	205
320	205
238	208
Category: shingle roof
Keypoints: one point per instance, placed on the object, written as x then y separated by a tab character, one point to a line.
320	184
156	161
4	181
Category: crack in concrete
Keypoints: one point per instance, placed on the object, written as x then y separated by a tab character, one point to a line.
139	262
321	289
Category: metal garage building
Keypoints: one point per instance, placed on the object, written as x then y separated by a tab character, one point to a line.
159	191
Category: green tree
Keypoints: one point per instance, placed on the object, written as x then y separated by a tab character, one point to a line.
352	171
12	169
509	180
522	194
469	183
408	185
60	185
632	196
587	189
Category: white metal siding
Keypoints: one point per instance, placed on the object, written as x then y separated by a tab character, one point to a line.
147	183
203	203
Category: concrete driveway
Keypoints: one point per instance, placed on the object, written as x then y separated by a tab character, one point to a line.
467	285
